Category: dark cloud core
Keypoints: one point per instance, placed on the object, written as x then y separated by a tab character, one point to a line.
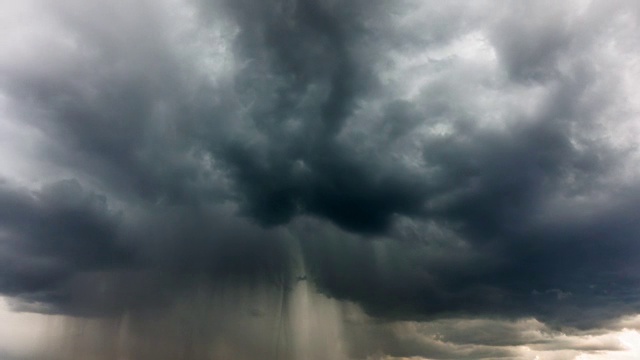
420	161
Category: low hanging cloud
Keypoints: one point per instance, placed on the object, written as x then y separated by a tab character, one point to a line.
422	161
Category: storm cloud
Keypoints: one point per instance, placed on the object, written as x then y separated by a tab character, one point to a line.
427	164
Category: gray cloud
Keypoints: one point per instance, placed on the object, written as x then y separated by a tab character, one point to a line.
49	234
420	160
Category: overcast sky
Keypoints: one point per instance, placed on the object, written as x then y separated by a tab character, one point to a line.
320	179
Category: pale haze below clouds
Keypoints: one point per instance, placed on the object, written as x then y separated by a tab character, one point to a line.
388	175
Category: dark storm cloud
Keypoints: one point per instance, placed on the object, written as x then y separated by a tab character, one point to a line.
492	188
307	71
51	234
496	190
64	250
118	103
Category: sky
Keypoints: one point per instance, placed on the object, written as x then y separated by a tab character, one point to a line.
319	179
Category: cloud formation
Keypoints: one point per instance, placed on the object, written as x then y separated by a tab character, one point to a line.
421	160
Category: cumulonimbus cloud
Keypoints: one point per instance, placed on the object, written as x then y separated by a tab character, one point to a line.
421	159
